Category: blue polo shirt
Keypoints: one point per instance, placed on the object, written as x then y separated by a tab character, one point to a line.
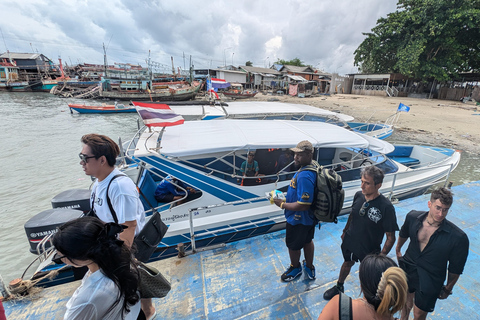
301	190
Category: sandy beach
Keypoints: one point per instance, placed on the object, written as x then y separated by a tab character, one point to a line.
447	123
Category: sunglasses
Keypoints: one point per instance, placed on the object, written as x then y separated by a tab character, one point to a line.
84	157
58	258
364	208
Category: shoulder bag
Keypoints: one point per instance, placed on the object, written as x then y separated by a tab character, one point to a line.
152	283
151	234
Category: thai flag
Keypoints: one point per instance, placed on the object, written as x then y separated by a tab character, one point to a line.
220	83
157	114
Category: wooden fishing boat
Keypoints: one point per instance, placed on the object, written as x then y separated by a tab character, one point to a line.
236	92
104	108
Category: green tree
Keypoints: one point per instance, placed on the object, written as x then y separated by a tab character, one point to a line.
424	39
294	62
249	63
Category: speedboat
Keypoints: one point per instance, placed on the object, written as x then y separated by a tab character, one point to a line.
265	110
207	155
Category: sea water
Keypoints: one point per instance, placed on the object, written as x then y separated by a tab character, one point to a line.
39	146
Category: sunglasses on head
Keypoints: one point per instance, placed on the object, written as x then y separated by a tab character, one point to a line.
364	208
84	157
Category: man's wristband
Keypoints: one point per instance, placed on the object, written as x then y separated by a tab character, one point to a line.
281	204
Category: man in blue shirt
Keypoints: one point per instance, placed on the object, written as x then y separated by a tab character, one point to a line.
301	222
171	189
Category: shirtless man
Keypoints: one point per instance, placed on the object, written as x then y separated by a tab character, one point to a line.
435	244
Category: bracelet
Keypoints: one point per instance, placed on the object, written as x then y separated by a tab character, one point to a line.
281	205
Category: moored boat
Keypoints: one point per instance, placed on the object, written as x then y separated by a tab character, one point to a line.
9	78
208	155
146	90
104	108
265	110
236	91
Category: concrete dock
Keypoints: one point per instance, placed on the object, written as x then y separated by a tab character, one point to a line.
242	279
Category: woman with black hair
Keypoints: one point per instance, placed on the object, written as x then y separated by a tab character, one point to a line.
109	288
384	288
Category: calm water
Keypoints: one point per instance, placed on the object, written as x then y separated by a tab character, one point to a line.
40	142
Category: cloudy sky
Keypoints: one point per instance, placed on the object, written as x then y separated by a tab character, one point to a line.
321	33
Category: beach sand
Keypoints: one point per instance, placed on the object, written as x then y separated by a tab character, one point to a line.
445	123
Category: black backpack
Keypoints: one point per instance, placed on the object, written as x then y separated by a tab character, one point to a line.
329	194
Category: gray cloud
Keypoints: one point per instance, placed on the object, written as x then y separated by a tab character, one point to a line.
320	33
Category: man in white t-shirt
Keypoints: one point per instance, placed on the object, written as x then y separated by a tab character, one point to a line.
97	158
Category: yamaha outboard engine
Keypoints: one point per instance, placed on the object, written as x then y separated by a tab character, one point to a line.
67	205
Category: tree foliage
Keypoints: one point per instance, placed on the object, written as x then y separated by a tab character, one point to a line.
249	63
424	39
294	62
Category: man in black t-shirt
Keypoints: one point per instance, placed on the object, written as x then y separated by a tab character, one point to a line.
434	243
372	217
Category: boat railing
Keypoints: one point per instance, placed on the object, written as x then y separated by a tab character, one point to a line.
42	251
417	171
192	211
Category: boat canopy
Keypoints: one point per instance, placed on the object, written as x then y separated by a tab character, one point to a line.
254	108
205	137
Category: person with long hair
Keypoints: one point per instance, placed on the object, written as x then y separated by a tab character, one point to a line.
97	159
384	287
109	288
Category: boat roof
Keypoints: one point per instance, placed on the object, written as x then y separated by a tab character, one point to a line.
205	137
256	108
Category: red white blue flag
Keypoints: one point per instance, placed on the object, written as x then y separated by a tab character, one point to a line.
220	83
157	114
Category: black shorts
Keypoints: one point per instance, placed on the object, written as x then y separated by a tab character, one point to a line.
349	255
297	236
423	301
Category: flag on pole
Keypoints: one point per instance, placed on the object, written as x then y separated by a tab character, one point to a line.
220	83
209	84
402	107
157	114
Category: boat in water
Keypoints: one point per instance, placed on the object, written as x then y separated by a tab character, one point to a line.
9	77
128	89
104	108
265	110
207	155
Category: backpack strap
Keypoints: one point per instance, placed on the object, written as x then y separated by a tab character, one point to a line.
314	167
114	214
344	307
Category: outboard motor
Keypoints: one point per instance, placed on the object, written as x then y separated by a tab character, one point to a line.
74	199
45	223
67	205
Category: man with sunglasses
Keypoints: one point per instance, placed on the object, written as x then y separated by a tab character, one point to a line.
435	243
372	217
97	158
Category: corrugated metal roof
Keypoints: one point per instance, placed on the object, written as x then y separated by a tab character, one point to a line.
260	70
297	69
297	78
26	56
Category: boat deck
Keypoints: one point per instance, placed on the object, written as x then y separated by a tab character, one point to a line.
242	280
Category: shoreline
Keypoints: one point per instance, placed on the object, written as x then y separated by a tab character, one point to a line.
444	123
